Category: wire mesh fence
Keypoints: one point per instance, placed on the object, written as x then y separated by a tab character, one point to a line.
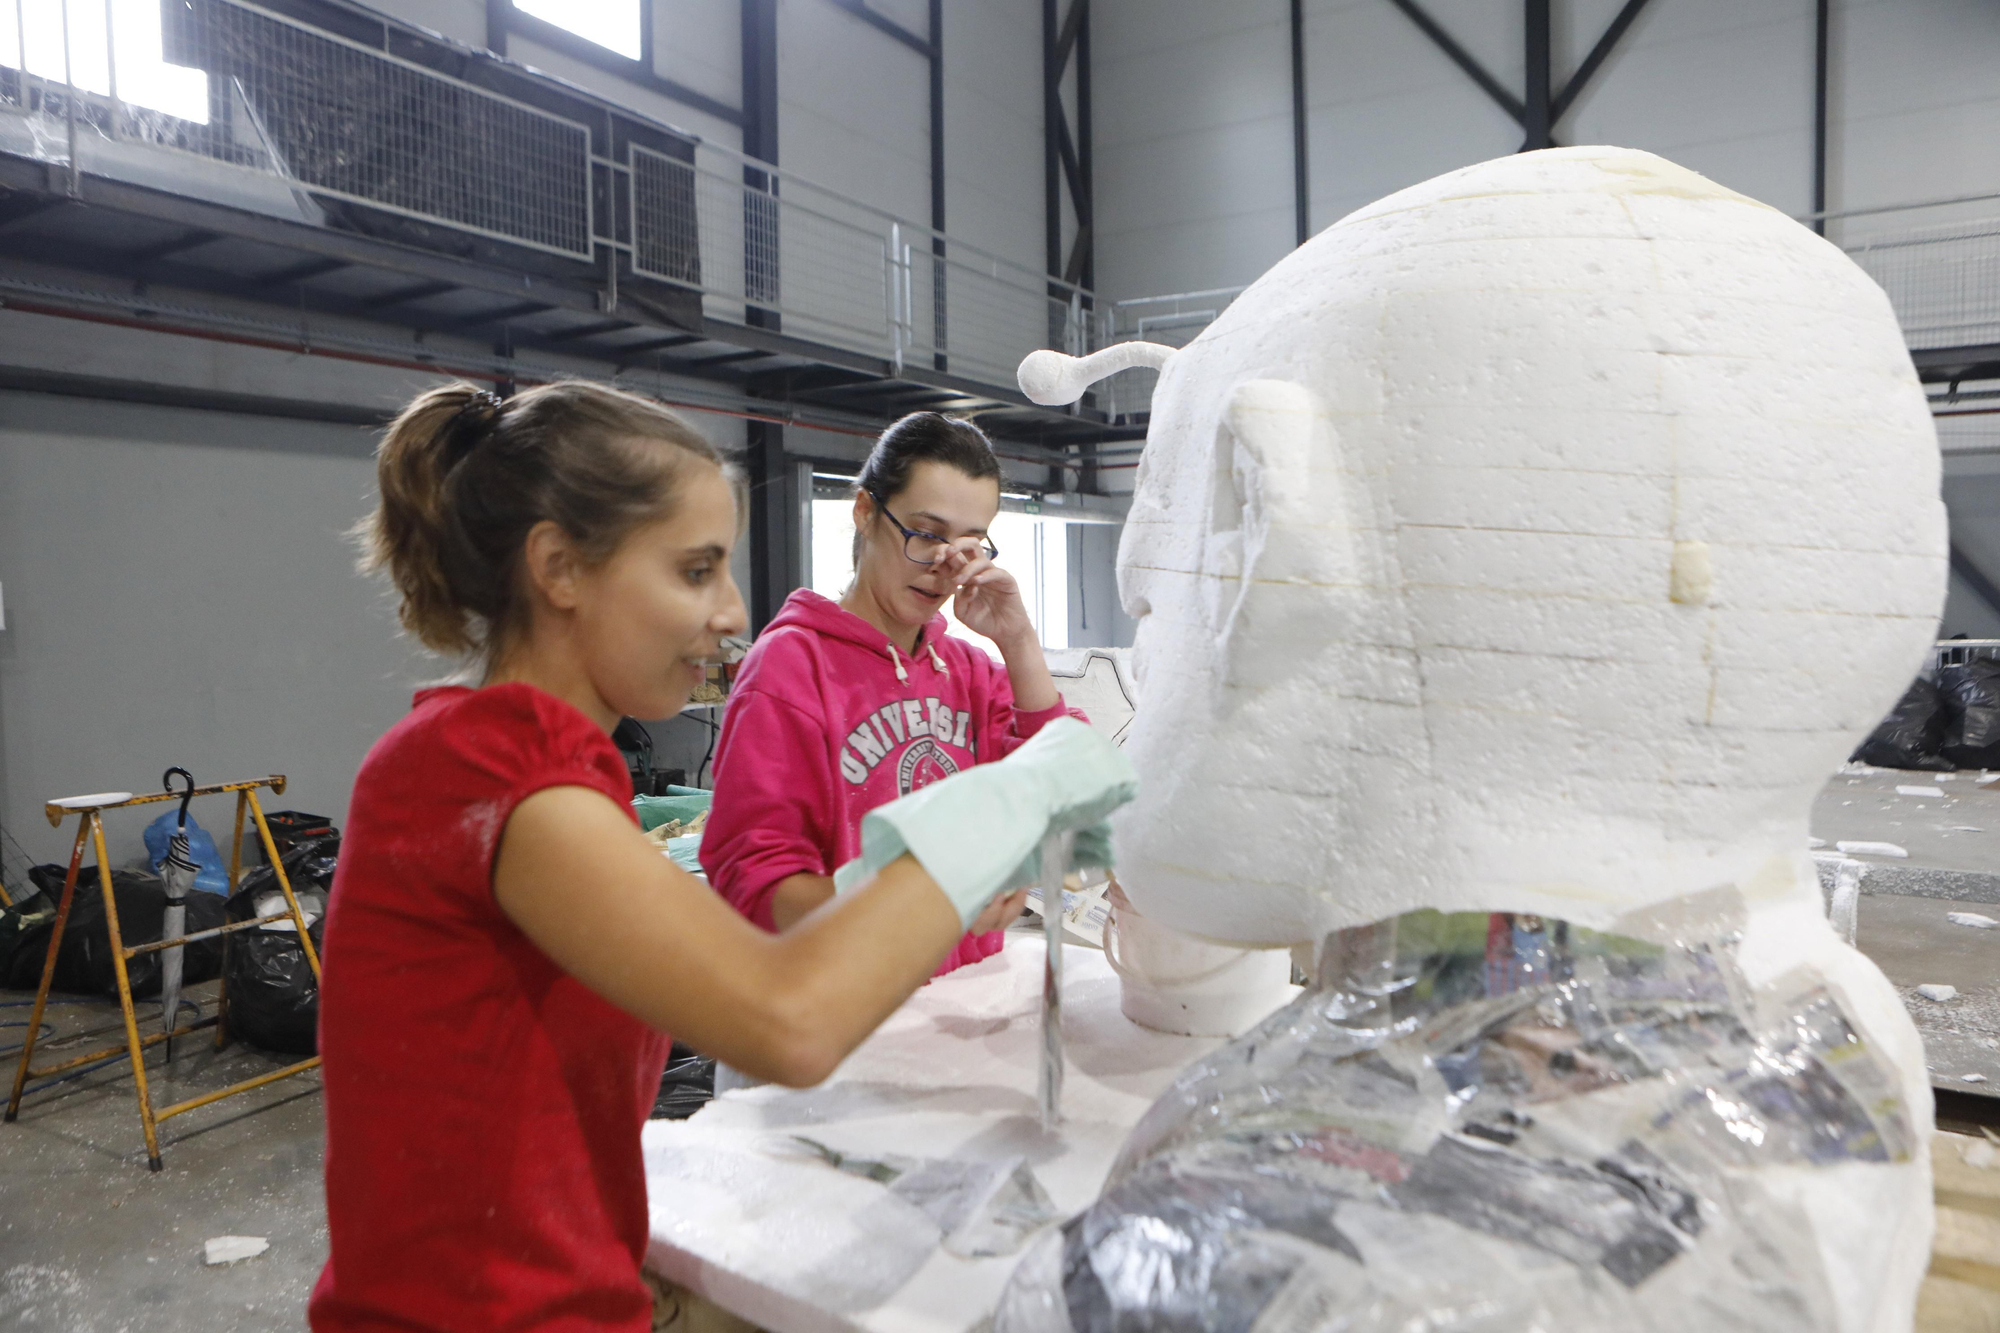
827	267
978	315
245	88
1174	320
1942	278
764	248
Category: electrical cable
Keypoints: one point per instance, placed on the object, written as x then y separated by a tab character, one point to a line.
44	1036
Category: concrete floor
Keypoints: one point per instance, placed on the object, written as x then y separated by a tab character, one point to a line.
93	1242
1953	842
1957	830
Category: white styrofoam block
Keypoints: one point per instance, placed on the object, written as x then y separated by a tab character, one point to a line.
1403	550
1862	848
1938	994
219	1250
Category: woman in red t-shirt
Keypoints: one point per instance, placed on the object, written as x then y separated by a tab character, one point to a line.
505	951
843	706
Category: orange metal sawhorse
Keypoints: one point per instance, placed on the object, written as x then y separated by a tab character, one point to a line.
91	830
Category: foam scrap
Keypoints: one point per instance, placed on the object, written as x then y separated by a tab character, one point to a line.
220	1250
1938	994
1973	919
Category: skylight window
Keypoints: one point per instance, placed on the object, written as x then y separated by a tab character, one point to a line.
144	78
612	24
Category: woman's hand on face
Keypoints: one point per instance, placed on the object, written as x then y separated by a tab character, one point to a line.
988	600
1000	913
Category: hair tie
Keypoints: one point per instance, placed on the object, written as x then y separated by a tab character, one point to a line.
472	423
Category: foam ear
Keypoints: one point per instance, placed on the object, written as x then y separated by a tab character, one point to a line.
1052	379
1271	425
1261	464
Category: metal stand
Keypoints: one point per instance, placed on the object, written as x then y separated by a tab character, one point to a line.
91	830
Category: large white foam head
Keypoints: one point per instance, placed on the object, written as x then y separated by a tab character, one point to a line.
1537	539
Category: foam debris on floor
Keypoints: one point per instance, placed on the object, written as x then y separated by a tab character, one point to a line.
220	1250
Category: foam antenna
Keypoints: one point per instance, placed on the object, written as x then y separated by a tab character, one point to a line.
1052	379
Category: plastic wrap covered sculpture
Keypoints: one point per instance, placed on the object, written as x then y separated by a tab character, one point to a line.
1533	541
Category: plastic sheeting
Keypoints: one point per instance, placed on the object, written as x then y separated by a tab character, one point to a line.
1486	1122
982	1208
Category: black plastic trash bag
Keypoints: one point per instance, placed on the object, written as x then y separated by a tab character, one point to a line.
24	940
687	1085
1971	693
1912	736
273	995
83	964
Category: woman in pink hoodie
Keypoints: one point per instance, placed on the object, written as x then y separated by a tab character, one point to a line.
844	706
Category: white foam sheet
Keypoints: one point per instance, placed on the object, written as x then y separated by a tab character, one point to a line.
797	1247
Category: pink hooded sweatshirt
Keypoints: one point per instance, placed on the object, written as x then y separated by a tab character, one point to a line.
828	720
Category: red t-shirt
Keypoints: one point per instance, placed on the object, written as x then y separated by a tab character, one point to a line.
483	1107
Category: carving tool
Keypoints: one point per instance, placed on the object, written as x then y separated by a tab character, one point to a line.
1055	856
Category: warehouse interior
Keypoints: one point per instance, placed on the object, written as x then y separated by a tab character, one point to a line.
237	237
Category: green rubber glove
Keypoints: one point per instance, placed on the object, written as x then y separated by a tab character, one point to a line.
979	832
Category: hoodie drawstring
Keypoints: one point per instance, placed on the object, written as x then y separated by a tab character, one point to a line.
903	675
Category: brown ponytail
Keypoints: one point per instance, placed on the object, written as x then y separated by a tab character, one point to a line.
464	476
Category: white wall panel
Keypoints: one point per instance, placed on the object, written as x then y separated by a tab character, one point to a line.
1386	108
853	108
624	92
464	20
1193	131
1724	87
699	43
993	127
180	590
1917	94
1721	87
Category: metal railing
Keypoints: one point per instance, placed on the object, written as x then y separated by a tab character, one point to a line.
1943	278
835	270
1957	652
225	100
1174	320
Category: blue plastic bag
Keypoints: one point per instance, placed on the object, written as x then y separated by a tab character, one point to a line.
213	877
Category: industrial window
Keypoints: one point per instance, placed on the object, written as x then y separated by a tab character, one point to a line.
613	24
74	41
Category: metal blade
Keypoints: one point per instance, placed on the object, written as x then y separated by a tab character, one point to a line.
1055	856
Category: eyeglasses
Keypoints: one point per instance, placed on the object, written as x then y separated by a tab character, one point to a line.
927	548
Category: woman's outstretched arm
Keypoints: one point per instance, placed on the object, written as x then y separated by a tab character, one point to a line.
596	896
